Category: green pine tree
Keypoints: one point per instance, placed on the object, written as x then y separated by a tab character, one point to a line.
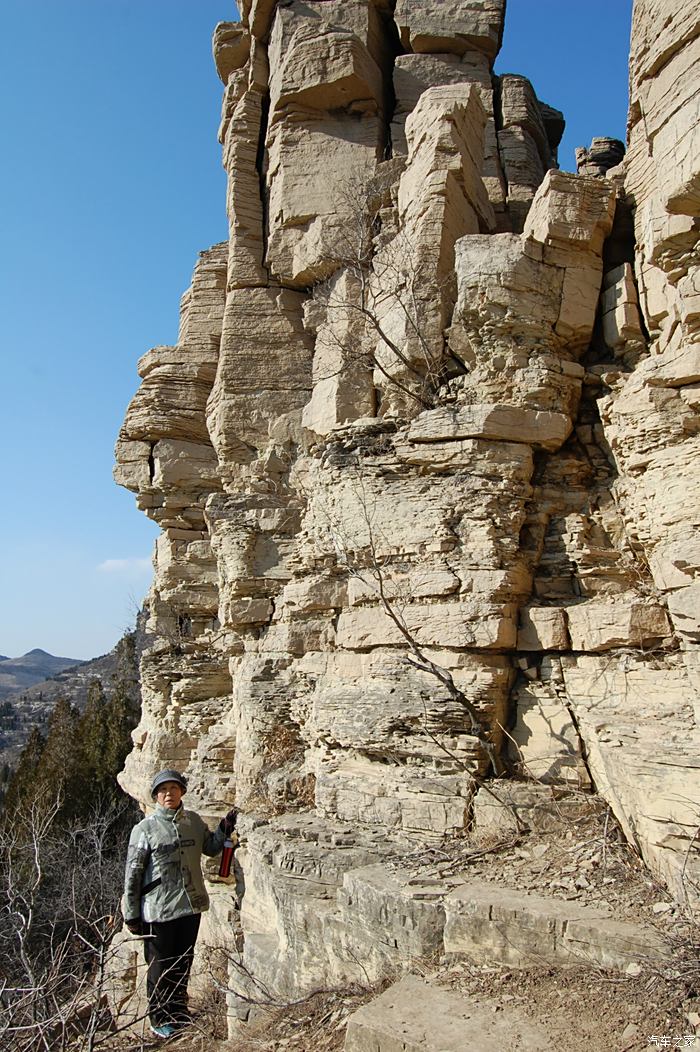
62	758
123	708
23	785
93	735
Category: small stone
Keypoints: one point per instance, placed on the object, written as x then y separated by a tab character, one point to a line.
662	907
633	969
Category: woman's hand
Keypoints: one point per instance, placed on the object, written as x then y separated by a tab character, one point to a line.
228	824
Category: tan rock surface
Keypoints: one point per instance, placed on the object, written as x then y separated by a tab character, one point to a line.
258	14
415	73
450	26
426	408
231	48
542	628
523	144
426	1018
264	371
239	133
638	724
440	196
326	99
543	429
495	924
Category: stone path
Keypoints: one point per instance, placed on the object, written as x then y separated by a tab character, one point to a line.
416	1016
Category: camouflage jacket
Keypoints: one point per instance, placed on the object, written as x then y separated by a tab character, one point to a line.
163	872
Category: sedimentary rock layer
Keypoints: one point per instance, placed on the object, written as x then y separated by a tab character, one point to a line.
424	463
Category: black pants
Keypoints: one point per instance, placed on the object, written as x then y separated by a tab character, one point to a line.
169	956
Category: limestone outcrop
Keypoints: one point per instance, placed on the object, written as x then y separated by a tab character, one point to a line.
426	1018
424	459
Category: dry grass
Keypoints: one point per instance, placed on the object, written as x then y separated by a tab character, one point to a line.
316	1024
283	751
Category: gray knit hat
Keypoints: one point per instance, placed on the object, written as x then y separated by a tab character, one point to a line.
168	775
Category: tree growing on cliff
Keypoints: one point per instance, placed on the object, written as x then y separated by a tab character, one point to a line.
357	552
388	288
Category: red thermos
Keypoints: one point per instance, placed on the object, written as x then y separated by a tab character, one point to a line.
226	858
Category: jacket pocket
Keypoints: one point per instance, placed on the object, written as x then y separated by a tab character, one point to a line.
151	886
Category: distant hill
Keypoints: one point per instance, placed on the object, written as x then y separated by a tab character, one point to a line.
33	667
23	707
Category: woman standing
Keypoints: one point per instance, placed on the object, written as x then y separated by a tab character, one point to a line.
164	895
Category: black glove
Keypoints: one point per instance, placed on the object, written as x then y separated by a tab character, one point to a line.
228	824
135	926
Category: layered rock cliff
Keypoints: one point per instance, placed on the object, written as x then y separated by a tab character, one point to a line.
424	459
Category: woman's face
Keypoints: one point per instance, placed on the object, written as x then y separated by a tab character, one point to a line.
169	795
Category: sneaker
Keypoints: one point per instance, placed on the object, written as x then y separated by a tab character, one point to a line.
164	1031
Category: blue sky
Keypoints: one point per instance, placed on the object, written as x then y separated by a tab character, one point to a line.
111	183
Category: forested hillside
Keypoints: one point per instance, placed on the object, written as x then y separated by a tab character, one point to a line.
22	709
64	825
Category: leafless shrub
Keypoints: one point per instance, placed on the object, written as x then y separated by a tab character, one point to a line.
282	785
314	1022
59	890
377	318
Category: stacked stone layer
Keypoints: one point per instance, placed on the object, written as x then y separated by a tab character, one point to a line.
432	396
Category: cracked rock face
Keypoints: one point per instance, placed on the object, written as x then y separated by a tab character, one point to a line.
434	405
